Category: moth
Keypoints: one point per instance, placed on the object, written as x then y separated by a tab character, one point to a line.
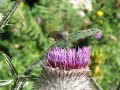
59	35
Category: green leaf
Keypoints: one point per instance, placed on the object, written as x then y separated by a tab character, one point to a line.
9	13
5	82
78	35
11	67
82	34
2	2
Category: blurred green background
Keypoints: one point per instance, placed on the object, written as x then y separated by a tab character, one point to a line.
26	37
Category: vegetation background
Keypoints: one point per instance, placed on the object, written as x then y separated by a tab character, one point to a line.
26	37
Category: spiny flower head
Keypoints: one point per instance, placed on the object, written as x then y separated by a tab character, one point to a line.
65	69
69	58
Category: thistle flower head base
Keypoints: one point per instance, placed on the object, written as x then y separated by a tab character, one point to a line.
57	79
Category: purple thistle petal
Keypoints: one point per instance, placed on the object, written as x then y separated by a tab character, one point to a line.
79	58
69	58
86	55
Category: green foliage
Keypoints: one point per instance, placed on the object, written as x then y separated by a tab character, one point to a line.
25	38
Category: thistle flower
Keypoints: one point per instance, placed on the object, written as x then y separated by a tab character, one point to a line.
67	59
65	69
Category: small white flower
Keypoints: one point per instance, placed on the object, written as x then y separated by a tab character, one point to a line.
82	4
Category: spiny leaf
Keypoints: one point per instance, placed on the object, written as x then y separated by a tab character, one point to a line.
78	35
82	34
11	67
2	2
37	62
9	13
5	82
94	85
